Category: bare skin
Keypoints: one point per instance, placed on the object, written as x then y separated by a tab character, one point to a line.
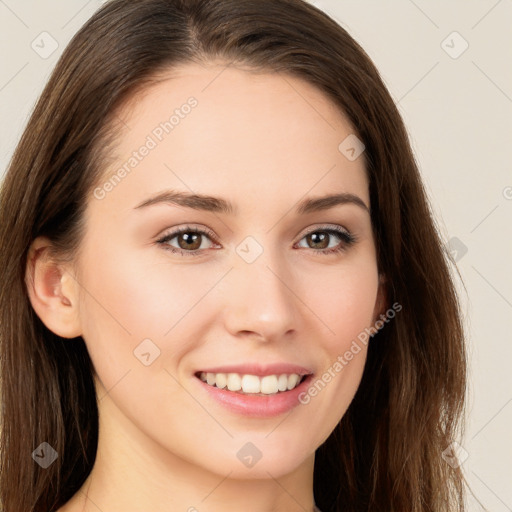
264	142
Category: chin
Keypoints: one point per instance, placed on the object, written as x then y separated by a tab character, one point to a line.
257	456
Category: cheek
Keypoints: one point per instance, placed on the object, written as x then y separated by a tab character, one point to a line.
345	304
343	299
147	296
132	297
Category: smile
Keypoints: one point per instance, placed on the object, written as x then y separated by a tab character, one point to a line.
254	389
252	384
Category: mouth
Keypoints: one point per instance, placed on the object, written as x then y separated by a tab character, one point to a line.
254	390
248	384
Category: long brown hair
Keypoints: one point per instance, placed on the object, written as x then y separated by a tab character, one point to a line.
386	452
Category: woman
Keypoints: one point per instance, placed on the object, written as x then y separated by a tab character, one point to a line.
223	288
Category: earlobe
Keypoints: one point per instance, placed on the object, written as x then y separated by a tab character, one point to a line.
52	291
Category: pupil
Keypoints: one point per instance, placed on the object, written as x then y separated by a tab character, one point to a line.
319	238
190	239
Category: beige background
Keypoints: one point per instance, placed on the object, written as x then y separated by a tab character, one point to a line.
457	104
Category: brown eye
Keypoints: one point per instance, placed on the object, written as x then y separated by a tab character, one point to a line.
187	241
320	240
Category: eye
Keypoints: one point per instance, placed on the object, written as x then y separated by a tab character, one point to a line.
189	240
320	238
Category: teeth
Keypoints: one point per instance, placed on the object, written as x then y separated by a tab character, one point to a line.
293	379
252	384
221	380
269	385
234	382
282	383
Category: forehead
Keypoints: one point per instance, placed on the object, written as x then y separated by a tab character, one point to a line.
224	130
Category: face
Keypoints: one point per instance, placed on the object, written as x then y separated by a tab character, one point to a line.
261	288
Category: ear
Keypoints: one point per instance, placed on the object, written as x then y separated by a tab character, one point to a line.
381	302
52	290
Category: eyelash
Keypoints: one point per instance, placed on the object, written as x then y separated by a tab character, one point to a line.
347	238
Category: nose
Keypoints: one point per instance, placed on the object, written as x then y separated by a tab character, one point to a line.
259	301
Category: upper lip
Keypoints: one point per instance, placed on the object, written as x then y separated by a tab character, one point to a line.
259	370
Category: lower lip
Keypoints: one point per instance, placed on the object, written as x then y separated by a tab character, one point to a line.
257	405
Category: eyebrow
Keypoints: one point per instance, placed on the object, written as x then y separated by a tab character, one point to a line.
220	205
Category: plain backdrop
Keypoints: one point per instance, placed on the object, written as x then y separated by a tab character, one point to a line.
448	66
